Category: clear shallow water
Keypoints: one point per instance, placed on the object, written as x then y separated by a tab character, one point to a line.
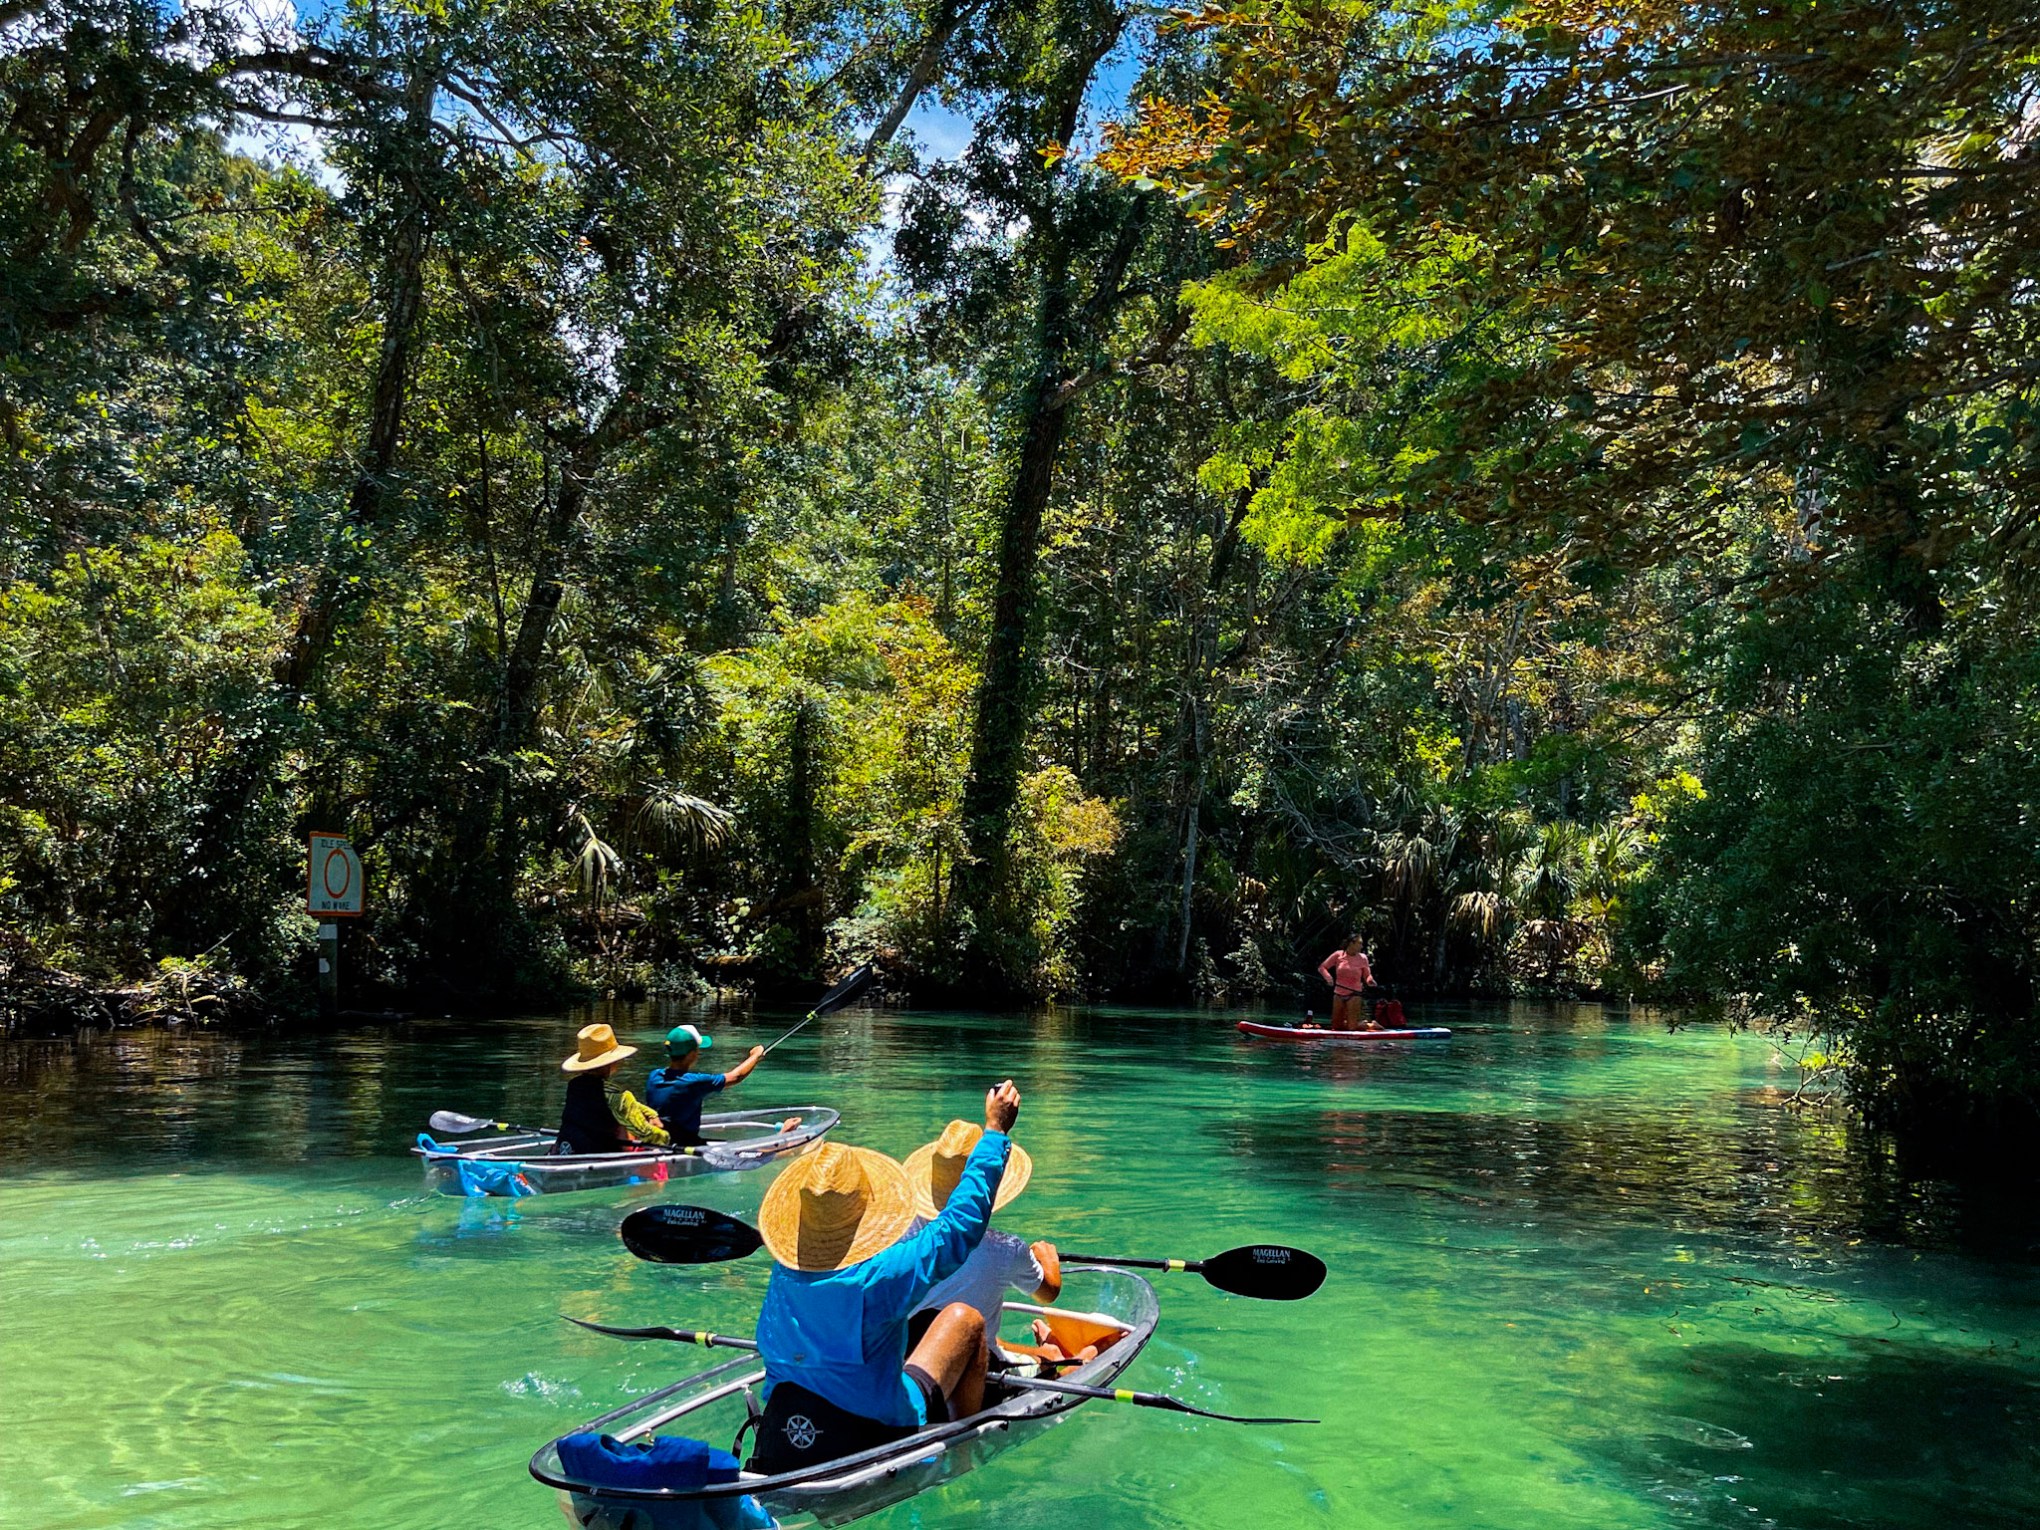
1586	1273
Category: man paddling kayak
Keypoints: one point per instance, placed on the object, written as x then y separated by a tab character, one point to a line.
833	1331
1351	975
677	1092
1001	1262
592	1121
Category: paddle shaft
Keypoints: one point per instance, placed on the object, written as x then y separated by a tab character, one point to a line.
811	1017
1160	1400
842	993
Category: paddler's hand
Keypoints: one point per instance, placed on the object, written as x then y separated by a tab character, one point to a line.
1002	1107
743	1069
1050	1261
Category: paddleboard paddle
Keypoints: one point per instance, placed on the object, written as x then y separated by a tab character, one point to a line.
1005	1378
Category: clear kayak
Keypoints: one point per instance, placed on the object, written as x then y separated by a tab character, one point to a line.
714	1404
524	1163
1319	1033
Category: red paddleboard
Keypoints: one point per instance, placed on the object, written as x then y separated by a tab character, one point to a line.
1319	1033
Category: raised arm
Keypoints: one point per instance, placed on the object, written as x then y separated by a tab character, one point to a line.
743	1069
915	1264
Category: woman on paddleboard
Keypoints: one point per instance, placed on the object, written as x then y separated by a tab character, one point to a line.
1350	974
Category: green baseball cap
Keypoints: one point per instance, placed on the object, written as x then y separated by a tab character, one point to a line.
685	1038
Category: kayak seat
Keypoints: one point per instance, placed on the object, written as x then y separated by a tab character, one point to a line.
1072	1331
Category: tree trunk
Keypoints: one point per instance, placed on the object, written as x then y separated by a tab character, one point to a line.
802	790
1193	812
480	869
1006	688
1008	684
517	710
339	584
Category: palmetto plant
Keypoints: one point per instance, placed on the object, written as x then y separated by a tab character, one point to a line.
1502	882
1547	881
660	822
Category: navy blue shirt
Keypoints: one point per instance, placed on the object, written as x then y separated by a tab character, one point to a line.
678	1098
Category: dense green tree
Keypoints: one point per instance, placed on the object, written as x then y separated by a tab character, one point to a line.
1723	309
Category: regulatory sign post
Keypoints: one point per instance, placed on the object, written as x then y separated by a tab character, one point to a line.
329	970
333	888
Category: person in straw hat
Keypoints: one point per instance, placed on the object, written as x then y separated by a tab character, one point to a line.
590	1121
848	1272
1000	1262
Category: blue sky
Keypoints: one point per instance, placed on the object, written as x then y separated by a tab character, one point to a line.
944	134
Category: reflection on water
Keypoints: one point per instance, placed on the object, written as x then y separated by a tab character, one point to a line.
1585	1272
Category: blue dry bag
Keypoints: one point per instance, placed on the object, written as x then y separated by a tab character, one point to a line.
675	1464
481	1177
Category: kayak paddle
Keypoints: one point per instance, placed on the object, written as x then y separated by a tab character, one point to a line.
836	997
1027	1383
696	1235
1267	1271
454	1122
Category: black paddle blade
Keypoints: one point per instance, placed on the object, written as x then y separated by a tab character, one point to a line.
1176	1405
1266	1270
844	991
687	1235
674	1335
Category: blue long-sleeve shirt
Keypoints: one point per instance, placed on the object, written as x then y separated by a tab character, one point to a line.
842	1334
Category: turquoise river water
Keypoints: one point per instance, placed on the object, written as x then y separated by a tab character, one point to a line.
1586	1272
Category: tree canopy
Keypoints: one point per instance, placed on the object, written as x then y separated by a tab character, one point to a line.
1059	499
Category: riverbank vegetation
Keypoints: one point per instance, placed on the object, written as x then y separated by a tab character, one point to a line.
1068	503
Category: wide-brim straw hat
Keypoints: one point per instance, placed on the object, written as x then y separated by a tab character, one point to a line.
835	1207
934	1169
598	1045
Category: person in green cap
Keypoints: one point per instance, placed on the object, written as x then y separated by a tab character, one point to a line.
677	1092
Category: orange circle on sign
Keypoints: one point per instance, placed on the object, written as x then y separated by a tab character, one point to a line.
346	877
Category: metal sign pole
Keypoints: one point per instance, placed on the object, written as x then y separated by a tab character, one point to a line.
329	969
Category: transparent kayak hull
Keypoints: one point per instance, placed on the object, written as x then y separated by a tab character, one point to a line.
523	1163
712	1405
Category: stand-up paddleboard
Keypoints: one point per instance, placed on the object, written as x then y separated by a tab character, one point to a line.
1319	1033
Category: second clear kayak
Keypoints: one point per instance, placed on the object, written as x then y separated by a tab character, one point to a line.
524	1163
1319	1033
